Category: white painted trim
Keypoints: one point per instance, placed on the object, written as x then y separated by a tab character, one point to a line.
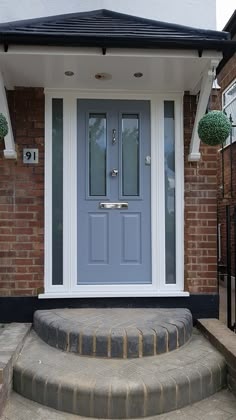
206	87
48	196
224	107
69	192
110	94
96	294
158	183
158	287
10	150
154	193
66	192
194	157
159	191
179	191
225	90
111	52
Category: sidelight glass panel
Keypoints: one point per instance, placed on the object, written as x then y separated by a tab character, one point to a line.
229	107
170	223
130	155
57	191
97	154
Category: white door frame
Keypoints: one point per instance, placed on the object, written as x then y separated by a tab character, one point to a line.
158	286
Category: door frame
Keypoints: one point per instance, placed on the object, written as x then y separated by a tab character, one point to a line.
158	286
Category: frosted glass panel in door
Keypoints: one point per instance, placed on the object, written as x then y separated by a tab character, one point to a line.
130	155
97	154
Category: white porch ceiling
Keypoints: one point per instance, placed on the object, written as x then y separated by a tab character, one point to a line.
163	71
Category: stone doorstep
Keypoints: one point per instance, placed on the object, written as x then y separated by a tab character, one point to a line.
12	339
118	388
224	340
114	333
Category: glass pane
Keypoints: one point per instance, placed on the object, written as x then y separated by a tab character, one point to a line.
229	94
97	154
130	154
57	191
230	111
169	133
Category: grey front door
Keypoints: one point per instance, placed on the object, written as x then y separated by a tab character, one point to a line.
114	184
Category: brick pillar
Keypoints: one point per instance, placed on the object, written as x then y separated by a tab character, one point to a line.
22	200
200	211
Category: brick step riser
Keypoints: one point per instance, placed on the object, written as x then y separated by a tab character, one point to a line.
113	343
95	400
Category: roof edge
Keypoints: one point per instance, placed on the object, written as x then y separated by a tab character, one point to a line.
231	25
121	42
111	13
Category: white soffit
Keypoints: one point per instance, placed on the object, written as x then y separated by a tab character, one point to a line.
163	70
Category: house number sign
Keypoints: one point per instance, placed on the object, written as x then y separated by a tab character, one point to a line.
30	155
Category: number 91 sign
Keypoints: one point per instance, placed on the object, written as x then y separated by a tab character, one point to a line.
30	155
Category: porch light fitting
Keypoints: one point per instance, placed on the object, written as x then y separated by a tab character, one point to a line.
138	75
103	76
69	73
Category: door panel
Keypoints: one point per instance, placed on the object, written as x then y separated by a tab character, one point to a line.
114	245
131	238
98	238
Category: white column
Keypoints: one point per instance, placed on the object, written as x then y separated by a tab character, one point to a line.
10	151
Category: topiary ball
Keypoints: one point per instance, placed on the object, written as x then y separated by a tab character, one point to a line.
214	128
3	126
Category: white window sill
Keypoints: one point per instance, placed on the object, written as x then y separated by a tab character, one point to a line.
96	294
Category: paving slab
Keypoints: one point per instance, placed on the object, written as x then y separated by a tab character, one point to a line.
118	388
12	337
114	332
222	405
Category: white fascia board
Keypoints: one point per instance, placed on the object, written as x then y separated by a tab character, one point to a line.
205	91
10	150
111	52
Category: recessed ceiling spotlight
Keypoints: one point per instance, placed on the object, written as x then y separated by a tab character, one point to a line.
103	76
138	75
69	73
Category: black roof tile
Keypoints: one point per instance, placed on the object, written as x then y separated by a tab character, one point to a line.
109	29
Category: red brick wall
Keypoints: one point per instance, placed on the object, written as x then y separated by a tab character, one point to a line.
22	199
227	74
22	205
200	212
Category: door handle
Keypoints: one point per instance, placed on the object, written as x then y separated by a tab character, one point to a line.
114	136
114	172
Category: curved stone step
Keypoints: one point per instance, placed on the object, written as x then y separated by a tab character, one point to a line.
112	388
116	332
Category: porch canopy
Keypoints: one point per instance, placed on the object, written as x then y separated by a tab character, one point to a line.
115	48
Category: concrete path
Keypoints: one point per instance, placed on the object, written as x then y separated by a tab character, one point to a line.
221	406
